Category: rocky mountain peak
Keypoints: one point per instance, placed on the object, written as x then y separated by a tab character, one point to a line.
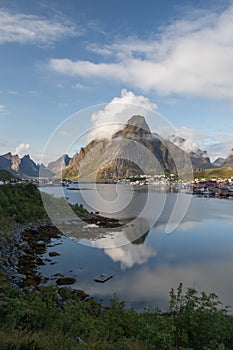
7	155
136	126
26	156
58	165
139	122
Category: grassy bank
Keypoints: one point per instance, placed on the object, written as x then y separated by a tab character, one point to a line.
22	204
7	176
19	203
224	173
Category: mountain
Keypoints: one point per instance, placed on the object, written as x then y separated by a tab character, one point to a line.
58	165
219	162
224	162
199	158
229	160
24	166
9	162
131	151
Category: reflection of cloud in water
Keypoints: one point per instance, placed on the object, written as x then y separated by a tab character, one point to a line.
152	286
128	255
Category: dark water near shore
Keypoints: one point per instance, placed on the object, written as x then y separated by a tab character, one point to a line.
199	252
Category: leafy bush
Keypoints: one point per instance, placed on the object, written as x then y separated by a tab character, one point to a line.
36	320
21	203
199	320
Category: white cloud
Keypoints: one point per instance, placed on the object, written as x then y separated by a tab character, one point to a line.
189	139
196	139
3	110
80	86
189	57
220	145
21	148
12	92
24	28
118	111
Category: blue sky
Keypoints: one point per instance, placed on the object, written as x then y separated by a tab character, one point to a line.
59	57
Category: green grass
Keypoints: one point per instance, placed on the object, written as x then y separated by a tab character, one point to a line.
224	173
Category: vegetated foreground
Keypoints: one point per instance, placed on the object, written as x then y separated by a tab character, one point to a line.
57	318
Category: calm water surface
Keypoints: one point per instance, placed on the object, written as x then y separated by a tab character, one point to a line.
199	252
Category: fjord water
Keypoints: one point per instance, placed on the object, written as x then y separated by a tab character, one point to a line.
198	253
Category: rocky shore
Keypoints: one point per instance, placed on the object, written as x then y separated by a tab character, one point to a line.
21	252
17	248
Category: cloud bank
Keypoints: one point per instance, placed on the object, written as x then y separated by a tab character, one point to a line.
30	29
192	57
21	148
110	119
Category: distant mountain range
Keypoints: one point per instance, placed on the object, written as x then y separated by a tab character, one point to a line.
23	167
131	151
58	165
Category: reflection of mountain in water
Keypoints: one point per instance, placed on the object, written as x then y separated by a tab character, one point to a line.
137	231
130	248
140	240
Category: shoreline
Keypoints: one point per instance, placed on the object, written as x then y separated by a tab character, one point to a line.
21	250
21	258
14	247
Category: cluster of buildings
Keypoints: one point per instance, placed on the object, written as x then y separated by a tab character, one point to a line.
214	188
149	180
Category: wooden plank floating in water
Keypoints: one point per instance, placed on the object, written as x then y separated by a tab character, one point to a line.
103	277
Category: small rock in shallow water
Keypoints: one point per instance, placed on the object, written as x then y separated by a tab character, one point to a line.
65	280
54	254
58	275
40	243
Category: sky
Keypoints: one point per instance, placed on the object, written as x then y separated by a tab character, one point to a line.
60	58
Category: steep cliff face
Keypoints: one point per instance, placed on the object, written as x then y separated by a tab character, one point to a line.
199	158
58	165
219	162
15	162
224	162
131	151
6	163
229	160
